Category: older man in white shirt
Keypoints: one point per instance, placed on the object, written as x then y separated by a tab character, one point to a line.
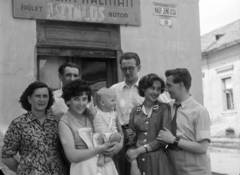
67	73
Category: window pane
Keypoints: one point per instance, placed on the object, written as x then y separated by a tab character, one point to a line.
229	97
228	83
48	70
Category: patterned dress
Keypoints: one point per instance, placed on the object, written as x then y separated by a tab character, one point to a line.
146	130
38	145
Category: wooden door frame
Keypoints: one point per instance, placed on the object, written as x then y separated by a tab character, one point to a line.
70	39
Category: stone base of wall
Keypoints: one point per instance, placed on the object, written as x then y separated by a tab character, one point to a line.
229	143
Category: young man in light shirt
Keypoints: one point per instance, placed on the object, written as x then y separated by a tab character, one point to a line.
190	133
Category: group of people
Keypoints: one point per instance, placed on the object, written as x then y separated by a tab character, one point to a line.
133	129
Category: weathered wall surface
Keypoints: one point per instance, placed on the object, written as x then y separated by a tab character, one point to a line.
17	61
162	47
213	90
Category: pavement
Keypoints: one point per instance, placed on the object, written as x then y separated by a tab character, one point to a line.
224	155
231	143
225	161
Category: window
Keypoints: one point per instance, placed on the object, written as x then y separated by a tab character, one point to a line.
228	93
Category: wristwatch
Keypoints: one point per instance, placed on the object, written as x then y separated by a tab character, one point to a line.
145	146
175	143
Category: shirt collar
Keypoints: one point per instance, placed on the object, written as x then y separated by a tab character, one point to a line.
186	102
144	111
124	85
59	93
32	117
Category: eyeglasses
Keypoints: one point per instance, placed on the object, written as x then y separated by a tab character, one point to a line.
124	69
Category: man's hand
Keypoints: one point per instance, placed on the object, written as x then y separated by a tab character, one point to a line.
166	136
128	132
114	149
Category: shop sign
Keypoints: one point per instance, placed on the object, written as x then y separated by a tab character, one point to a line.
125	12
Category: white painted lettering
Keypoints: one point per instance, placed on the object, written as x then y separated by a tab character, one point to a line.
73	12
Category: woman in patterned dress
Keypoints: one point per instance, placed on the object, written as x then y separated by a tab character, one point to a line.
34	136
147	155
76	131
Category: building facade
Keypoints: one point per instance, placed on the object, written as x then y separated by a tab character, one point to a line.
221	79
38	36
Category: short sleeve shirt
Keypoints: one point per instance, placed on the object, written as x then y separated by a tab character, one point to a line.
193	124
38	145
193	121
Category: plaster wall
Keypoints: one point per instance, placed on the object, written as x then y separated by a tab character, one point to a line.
161	47
213	86
17	42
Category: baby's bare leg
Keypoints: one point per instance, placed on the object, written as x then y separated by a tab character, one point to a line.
98	140
134	168
101	161
107	159
114	137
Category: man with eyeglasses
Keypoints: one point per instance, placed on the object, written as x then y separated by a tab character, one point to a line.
127	98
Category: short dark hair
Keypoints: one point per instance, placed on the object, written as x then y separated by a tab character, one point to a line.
147	81
30	90
180	75
128	56
68	64
76	88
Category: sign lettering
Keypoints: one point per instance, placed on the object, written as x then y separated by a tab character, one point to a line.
95	11
166	10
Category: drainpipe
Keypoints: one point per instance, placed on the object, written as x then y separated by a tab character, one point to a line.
209	87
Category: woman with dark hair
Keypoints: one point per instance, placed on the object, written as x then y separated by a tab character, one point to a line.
34	135
76	131
147	154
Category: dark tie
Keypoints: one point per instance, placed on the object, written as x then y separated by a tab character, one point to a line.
174	121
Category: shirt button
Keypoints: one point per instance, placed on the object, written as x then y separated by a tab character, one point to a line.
145	133
146	122
143	159
145	140
144	173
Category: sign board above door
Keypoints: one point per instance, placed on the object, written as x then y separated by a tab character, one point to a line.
126	12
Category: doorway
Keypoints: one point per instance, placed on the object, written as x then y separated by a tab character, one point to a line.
100	72
94	47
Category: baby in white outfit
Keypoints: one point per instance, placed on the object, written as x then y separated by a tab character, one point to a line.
106	125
